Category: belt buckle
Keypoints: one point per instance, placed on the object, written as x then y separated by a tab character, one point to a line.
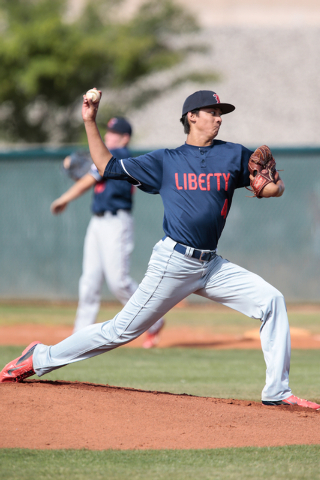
202	253
210	256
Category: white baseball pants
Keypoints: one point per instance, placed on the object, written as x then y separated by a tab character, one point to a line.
170	277
106	256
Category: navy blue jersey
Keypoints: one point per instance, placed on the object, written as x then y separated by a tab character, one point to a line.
196	185
109	194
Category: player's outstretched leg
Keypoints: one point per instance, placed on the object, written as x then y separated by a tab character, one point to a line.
165	284
248	293
20	368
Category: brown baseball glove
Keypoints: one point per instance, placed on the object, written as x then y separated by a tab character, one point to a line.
262	167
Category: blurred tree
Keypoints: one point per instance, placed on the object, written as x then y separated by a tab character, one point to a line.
47	61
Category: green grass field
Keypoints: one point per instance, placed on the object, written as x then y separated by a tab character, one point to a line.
210	373
282	463
217	373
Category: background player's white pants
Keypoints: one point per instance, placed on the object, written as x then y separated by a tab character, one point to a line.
171	277
106	256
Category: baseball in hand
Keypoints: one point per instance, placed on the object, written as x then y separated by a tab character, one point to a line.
93	95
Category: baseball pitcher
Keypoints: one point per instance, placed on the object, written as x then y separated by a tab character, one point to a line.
196	182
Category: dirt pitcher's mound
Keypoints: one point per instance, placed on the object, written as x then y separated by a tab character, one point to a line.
54	415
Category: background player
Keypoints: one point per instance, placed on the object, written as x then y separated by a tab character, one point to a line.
196	182
109	239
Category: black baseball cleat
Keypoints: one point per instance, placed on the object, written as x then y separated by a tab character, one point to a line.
292	400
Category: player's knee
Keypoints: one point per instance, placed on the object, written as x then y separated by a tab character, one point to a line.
274	298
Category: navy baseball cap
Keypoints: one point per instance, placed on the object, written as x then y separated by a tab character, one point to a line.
119	125
205	98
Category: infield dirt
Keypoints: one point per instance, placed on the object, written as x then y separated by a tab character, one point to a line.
61	415
182	336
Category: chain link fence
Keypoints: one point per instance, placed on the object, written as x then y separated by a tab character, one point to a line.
41	254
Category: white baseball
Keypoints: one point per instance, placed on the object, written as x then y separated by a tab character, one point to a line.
93	95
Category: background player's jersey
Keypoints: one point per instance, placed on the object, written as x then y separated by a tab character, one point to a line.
196	185
109	194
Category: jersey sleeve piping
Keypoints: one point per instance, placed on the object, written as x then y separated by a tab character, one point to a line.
124	168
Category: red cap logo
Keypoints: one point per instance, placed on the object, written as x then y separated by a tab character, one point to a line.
112	122
216	97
